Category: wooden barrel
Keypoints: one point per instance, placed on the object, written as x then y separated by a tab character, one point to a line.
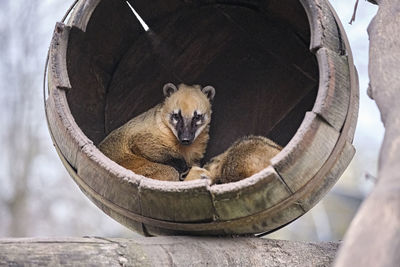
281	68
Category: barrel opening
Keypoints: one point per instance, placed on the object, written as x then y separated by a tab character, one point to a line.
255	54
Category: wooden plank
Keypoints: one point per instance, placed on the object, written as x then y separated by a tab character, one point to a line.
67	135
258	224
109	179
333	97
248	196
323	185
82	13
305	154
176	201
324	29
354	108
57	69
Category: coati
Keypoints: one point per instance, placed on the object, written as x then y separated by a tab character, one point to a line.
244	158
165	141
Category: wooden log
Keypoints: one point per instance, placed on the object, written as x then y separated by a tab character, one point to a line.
163	251
373	238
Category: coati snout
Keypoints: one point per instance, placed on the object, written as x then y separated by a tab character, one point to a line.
186	127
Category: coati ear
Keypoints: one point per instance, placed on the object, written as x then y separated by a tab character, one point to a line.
209	91
169	89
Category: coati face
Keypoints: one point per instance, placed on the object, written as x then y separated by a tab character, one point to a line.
187	110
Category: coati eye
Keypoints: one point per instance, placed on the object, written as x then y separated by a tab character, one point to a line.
197	118
175	118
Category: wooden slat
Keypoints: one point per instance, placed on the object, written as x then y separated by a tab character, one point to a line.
324	30
98	201
249	196
354	107
109	179
57	70
324	184
157	231
82	13
62	126
300	160
176	201
266	223
333	97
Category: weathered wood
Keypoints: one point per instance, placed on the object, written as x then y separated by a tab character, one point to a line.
58	76
66	134
325	184
164	251
324	29
109	179
305	154
176	201
373	238
249	196
333	97
82	13
266	80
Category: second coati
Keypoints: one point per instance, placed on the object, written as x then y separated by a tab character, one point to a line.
245	157
165	141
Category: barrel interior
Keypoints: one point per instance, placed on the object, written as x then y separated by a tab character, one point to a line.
255	53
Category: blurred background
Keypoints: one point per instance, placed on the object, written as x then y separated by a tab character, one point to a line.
37	196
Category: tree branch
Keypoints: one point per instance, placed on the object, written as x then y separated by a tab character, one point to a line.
165	251
374	235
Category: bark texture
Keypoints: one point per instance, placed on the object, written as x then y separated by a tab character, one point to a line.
164	251
374	236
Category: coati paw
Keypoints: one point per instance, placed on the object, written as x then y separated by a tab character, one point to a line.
196	173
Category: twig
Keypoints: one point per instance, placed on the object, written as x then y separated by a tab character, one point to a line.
353	18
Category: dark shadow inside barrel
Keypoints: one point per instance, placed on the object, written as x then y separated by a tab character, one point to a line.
255	54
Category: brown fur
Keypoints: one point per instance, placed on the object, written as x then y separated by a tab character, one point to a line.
244	158
146	144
